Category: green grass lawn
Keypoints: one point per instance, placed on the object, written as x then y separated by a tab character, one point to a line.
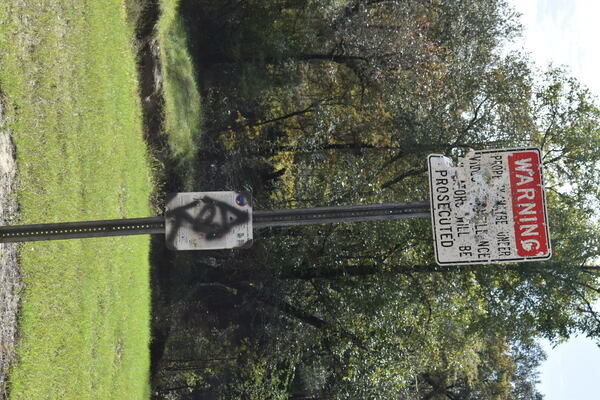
68	81
182	109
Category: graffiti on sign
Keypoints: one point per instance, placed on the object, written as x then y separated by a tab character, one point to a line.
208	220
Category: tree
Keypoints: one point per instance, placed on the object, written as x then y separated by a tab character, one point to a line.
360	93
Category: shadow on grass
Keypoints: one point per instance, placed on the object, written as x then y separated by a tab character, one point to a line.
197	312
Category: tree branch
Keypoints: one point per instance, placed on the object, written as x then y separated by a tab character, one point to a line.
412	172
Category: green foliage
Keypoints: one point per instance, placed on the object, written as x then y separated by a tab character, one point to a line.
569	134
345	100
134	10
260	377
182	109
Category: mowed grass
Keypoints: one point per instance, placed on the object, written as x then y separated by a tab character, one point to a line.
182	108
68	79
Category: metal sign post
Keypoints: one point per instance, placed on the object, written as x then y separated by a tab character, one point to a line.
489	208
212	220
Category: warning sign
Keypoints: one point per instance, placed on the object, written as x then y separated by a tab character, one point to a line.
489	208
208	220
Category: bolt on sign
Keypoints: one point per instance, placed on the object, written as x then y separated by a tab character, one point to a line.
208	220
489	208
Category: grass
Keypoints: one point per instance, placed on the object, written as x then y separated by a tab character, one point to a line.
134	10
182	109
68	79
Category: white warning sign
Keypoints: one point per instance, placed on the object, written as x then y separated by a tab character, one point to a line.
208	220
489	208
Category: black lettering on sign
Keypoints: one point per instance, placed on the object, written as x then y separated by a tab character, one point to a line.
465	251
474	165
503	244
462	227
483	249
497	166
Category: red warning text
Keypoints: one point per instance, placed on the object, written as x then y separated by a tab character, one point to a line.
528	204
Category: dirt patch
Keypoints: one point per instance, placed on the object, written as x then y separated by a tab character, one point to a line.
10	280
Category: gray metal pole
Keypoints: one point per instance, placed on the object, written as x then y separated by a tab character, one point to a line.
260	219
339	214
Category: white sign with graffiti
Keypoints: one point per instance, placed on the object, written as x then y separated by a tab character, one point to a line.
208	220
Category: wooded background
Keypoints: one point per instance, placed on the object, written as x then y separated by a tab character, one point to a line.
316	103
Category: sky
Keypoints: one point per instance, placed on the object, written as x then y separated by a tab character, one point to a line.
566	33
